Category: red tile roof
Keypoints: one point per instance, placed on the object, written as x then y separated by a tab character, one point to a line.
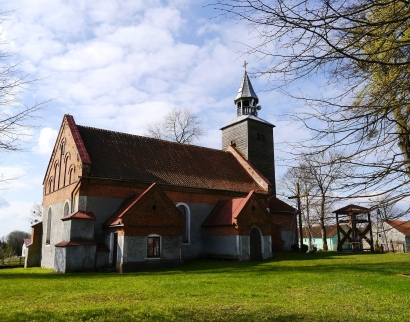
115	219
285	221
401	226
123	156
282	214
27	241
40	223
277	205
75	243
226	211
80	215
82	151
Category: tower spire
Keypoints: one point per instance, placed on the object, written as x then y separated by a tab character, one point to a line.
246	100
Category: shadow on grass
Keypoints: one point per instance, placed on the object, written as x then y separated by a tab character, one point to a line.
317	263
175	314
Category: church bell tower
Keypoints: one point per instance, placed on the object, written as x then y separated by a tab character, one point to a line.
251	135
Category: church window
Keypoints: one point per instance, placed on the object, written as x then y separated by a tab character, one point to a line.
48	233
258	136
50	185
55	176
66	160
66	209
62	147
154	246
184	209
71	175
245	103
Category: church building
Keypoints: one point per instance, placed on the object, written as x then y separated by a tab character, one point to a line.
130	202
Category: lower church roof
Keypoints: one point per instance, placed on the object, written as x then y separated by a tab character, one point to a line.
122	156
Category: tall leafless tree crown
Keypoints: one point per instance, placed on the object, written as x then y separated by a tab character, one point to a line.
362	50
179	125
14	114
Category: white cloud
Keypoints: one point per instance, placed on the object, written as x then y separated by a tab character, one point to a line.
46	141
119	65
15	217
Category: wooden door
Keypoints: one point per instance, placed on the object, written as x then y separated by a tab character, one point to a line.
255	245
114	249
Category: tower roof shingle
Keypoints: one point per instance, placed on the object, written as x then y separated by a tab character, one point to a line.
246	89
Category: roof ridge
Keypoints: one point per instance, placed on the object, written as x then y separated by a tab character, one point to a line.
150	138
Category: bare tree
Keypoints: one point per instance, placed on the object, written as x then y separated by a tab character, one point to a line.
179	125
36	213
320	177
15	116
287	183
361	48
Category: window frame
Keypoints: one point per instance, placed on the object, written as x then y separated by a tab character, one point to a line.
157	238
187	222
48	232
66	206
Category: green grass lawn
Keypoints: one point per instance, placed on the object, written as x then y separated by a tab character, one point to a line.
290	287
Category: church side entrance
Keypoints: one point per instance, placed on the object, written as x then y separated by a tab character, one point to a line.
114	249
255	245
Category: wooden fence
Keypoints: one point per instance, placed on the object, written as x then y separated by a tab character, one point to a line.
13	261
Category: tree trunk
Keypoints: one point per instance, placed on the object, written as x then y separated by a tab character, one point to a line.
322	223
404	145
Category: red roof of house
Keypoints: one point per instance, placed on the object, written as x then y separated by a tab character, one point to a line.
285	221
282	214
277	205
226	211
40	223
80	215
401	226
82	151
123	156
75	243
27	241
115	219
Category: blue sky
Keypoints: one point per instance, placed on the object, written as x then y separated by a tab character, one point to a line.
120	65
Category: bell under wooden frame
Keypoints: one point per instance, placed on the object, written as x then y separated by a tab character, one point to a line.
354	229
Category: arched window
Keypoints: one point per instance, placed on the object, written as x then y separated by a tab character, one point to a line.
71	172
66	160
48	232
55	176
184	209
62	146
50	185
153	246
66	209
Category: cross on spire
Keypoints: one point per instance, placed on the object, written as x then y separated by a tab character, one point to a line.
245	64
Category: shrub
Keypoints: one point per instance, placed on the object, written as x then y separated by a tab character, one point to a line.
305	248
295	247
377	247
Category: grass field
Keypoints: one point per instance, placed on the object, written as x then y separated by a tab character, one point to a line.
290	287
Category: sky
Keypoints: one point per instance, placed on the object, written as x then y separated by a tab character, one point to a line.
120	65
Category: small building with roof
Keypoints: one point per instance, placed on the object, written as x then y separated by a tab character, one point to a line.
113	199
331	237
394	236
26	243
